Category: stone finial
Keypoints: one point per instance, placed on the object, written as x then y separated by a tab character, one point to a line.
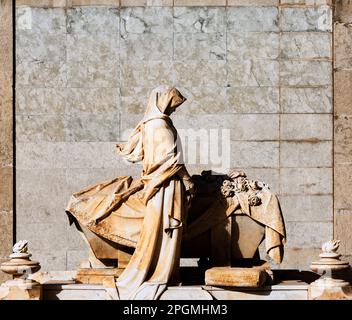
330	246
20	266
330	258
20	247
329	284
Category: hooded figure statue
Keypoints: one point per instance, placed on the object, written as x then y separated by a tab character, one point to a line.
147	213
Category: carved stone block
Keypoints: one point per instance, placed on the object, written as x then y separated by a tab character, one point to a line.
97	276
235	277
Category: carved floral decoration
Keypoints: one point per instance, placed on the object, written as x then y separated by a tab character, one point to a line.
239	183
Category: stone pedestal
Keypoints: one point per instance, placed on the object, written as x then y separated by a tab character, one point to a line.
330	289
329	286
20	266
20	289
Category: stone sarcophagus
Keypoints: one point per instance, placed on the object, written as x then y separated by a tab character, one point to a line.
228	219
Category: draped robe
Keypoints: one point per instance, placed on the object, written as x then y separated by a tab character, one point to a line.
141	213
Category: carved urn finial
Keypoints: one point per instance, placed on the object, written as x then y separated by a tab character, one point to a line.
330	246
20	265
330	258
328	266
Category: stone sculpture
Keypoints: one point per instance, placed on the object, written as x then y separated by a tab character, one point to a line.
20	266
146	224
331	284
112	210
236	200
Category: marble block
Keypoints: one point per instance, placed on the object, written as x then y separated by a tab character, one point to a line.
235	277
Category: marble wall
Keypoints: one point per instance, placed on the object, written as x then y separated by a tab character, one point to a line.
83	75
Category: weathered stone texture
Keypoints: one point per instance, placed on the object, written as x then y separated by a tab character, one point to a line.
31	48
36	101
142	20
94	127
199	2
306	73
312	127
262	19
74	258
306	154
342	185
203	73
204	100
343	140
306	2
308	45
252	2
300	208
299	258
255	154
196	46
342	125
6	222
253	100
253	73
308	234
92	75
343	230
50	183
257	45
6	134
131	3
92	20
307	19
44	74
343	89
207	20
306	181
44	3
41	20
260	71
84	100
42	128
306	100
343	47
144	74
6	188
343	11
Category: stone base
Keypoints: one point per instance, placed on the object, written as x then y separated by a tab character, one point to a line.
330	289
61	277
74	292
235	277
282	291
289	291
20	290
97	276
186	293
61	285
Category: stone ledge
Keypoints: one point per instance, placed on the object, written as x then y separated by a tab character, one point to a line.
170	3
283	291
